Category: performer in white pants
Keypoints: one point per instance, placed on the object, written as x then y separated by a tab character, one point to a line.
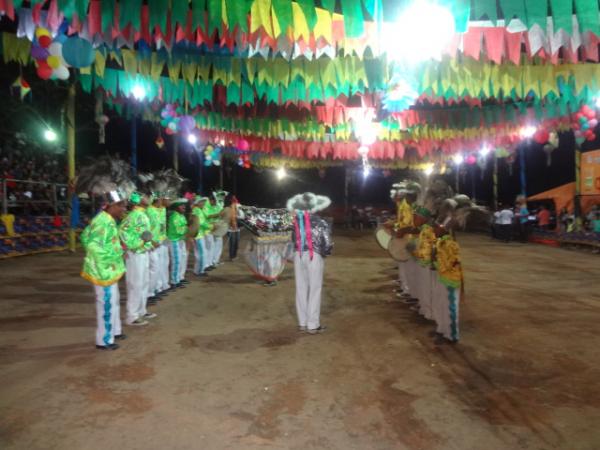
177	230
311	237
103	265
447	289
137	239
201	227
209	246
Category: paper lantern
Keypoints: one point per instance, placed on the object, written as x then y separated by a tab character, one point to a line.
541	136
471	159
78	52
243	145
159	142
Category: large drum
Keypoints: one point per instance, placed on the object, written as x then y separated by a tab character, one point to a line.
383	236
266	255
398	250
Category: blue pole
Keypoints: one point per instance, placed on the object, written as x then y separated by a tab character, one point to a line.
134	145
522	170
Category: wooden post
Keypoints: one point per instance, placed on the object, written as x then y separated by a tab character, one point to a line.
577	199
176	153
71	160
495	183
134	163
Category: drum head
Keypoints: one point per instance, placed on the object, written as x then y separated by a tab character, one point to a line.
383	237
397	249
220	229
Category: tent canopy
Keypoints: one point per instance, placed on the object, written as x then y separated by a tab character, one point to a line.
563	197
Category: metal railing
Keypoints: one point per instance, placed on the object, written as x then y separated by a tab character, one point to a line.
37	198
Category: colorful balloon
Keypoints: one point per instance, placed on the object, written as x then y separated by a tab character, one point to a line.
53	61
61	72
41	31
78	52
45	41
44	71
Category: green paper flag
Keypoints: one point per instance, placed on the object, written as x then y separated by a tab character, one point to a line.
198	8
513	8
587	15
237	13
561	15
108	13
308	8
328	5
81	7
215	13
158	14
461	10
483	8
179	12
283	11
67	7
129	12
537	11
353	18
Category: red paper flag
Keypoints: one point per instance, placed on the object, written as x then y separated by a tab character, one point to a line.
513	46
94	18
494	43
472	42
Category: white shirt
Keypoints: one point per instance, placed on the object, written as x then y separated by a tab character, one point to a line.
505	217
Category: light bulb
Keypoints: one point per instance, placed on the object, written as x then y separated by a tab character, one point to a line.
281	173
528	132
458	159
192	139
139	92
50	135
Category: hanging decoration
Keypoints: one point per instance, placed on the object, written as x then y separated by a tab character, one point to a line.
21	86
212	155
170	118
48	56
550	146
159	142
585	124
78	52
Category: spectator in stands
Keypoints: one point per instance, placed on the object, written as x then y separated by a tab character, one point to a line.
543	218
563	220
522	214
596	223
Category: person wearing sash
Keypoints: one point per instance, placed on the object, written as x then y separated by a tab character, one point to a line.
177	231
212	213
153	211
311	237
136	237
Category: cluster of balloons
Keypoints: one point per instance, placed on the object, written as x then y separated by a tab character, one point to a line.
170	118
549	139
585	124
48	55
212	156
244	160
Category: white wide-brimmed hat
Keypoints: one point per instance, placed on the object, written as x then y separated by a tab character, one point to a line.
308	202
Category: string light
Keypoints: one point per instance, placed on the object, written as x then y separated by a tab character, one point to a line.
139	92
428	169
484	151
528	131
192	139
50	135
458	159
281	173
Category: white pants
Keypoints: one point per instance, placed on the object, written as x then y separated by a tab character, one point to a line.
179	259
154	277
163	273
217	249
446	309
108	319
309	283
424	279
209	245
403	277
138	270
200	256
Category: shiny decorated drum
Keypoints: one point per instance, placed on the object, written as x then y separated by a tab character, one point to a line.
397	249
383	236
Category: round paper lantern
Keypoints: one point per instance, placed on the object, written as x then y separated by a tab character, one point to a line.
78	52
593	123
243	145
44	71
45	41
53	61
61	72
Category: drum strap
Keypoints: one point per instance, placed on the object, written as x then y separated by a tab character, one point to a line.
303	230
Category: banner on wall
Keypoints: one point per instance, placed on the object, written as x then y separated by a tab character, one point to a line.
590	173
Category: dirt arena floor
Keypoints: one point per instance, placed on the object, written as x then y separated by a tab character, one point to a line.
223	367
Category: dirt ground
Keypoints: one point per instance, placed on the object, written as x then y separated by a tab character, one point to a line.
223	367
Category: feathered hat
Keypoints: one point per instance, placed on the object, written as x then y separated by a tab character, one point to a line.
308	202
165	184
405	187
220	194
106	177
460	212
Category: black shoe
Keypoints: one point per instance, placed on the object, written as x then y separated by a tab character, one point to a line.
184	282
154	298
107	347
209	268
151	303
270	283
434	334
319	330
441	340
121	337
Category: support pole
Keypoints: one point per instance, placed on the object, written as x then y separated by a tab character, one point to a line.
176	153
457	180
495	183
577	199
522	171
71	161
346	190
473	190
221	175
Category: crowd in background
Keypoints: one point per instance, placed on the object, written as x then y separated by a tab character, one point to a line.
27	168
